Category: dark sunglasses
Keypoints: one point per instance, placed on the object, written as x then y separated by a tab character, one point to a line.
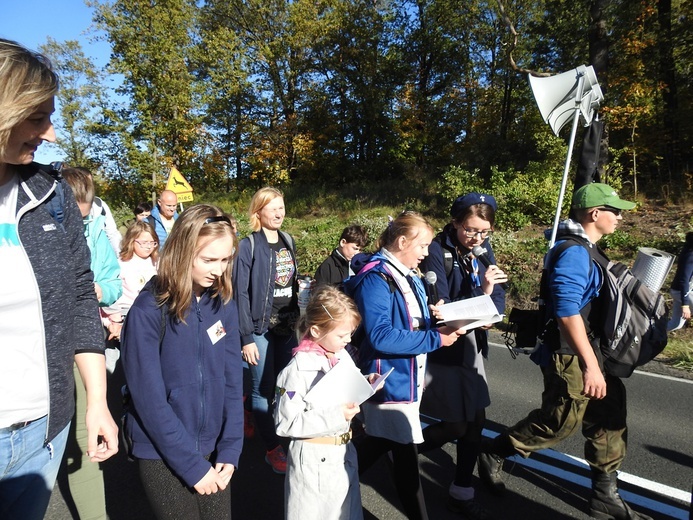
615	211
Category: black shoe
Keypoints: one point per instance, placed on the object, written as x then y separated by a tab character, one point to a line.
606	503
470	509
490	472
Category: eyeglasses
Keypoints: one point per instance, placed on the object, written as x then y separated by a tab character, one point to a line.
471	233
615	211
146	243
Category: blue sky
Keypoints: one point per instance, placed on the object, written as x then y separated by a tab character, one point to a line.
31	22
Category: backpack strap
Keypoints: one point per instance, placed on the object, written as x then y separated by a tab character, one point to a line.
289	242
390	281
589	312
99	204
162	326
448	260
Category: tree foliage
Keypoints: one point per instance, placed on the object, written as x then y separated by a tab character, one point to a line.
242	93
79	99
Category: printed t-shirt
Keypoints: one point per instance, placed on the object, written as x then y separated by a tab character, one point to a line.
282	311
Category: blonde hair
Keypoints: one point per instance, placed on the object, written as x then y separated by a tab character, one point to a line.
26	81
127	246
260	199
196	227
327	307
407	224
81	182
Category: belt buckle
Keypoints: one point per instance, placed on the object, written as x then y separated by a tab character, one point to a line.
344	438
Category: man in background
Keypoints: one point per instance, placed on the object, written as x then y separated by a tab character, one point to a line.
164	215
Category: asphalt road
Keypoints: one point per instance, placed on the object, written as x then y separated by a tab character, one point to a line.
549	486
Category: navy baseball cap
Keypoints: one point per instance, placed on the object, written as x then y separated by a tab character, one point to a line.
470	199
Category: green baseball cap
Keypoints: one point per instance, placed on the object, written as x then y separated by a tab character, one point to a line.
598	194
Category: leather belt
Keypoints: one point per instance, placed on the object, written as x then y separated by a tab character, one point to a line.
18	426
332	440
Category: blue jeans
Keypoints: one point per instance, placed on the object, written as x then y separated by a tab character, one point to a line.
275	354
28	470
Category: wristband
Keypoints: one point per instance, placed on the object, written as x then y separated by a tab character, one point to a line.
117	322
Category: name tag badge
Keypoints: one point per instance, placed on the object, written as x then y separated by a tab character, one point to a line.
216	332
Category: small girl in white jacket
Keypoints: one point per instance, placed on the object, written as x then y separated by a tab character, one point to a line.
322	479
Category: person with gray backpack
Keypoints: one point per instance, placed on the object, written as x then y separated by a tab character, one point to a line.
578	391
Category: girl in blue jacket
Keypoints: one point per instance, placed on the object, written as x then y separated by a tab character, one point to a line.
181	357
398	334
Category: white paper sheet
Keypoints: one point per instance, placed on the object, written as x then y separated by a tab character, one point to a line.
470	313
343	384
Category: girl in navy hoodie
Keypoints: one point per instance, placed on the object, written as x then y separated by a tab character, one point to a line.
181	357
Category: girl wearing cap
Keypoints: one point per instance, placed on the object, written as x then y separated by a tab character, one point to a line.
456	387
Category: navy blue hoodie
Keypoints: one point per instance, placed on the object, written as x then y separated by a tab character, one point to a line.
187	399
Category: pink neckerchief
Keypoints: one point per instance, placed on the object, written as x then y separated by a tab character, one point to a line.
308	345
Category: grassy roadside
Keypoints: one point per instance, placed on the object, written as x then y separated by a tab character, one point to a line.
679	350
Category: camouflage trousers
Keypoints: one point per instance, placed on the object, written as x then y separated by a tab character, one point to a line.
564	409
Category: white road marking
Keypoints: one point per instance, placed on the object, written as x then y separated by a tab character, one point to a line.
630	497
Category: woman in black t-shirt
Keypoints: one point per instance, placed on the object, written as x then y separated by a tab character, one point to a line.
265	289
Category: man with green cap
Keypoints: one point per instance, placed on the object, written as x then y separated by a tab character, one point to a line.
576	390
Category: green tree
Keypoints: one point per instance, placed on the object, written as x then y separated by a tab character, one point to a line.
227	98
151	44
79	99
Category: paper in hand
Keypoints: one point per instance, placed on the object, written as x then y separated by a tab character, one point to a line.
470	313
343	384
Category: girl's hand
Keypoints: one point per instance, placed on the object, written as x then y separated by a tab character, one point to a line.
99	291
114	330
448	335
372	378
250	354
494	275
210	483
350	410
225	471
435	311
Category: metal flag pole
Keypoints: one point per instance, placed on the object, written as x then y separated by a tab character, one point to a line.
566	168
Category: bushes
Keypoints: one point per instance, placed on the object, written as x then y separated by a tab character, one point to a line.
524	197
520	255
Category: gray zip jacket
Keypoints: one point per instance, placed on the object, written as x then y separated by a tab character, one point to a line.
60	260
